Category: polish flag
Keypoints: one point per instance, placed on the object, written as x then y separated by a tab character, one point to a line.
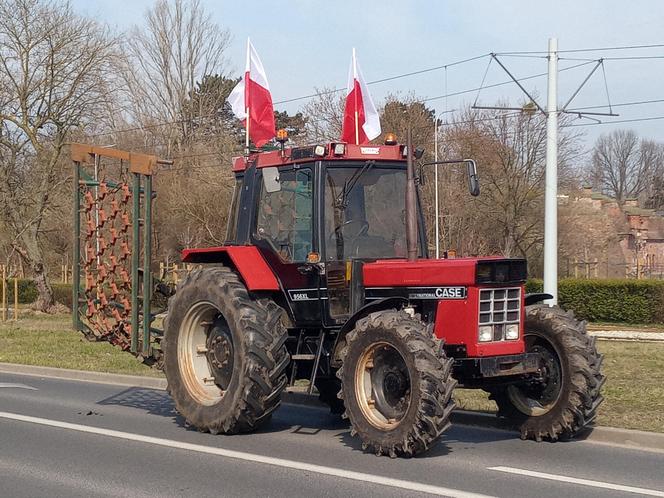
361	121
251	97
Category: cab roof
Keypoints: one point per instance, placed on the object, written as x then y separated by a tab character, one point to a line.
335	151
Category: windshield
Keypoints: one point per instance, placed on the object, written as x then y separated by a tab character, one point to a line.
365	215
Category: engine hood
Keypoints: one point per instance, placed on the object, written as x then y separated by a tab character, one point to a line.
436	272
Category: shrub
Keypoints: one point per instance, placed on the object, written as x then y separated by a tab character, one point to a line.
610	300
62	294
27	292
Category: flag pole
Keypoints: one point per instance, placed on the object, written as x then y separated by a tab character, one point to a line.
357	118
246	132
246	99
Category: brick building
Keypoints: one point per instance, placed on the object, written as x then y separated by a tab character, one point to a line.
606	239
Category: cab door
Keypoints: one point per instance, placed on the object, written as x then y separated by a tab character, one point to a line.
284	235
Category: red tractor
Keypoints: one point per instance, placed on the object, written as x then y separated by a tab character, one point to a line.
325	277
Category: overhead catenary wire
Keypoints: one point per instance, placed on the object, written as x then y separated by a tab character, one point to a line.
327	92
448	94
304	97
595	49
506	82
412	73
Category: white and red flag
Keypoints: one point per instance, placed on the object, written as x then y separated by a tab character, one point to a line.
251	101
361	121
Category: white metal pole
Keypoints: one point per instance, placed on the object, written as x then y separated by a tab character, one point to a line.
551	180
247	74
435	158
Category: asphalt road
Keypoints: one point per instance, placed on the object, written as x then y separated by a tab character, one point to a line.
72	438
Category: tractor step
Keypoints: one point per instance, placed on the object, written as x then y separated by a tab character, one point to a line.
309	348
303	357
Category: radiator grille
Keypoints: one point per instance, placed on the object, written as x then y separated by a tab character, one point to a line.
499	307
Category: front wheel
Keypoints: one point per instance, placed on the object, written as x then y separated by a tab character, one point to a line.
396	384
563	398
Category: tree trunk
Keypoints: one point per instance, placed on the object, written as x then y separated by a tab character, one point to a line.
46	299
31	254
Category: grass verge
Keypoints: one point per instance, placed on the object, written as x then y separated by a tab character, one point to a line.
634	391
48	341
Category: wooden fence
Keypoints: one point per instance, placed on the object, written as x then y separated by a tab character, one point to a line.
4	293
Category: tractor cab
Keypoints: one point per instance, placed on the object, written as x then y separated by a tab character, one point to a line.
312	211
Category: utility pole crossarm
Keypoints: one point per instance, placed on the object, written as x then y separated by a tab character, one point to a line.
532	99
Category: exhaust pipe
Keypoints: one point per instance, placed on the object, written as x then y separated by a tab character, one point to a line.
411	200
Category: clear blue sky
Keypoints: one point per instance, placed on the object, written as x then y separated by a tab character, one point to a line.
306	44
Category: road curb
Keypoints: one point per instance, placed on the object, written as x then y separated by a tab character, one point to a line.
627	335
627	438
84	376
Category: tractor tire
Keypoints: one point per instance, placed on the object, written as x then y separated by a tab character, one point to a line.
328	393
564	400
396	384
224	353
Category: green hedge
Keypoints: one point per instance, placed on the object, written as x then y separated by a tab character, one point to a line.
27	292
629	301
610	300
62	293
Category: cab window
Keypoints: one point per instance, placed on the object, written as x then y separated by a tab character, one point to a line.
285	217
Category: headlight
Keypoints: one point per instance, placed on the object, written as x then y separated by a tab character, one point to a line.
486	333
512	331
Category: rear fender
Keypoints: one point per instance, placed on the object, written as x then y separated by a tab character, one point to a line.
536	297
378	305
246	260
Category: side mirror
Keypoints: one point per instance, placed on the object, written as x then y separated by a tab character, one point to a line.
271	179
473	180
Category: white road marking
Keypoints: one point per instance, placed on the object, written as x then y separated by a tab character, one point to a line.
8	385
249	457
581	482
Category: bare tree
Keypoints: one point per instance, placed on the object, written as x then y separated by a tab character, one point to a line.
179	47
52	63
510	152
326	115
624	166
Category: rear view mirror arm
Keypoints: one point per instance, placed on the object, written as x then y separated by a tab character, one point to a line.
473	180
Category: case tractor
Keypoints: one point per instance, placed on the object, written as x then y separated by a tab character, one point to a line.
325	277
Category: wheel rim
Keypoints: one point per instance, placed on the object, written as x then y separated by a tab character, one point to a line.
539	394
205	353
382	386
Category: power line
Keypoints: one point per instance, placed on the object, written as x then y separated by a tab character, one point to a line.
634	120
383	80
507	82
622	104
596	49
412	73
304	97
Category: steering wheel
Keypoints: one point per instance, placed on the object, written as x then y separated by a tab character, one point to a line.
362	231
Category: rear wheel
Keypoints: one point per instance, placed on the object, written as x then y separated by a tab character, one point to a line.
224	353
396	384
563	398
